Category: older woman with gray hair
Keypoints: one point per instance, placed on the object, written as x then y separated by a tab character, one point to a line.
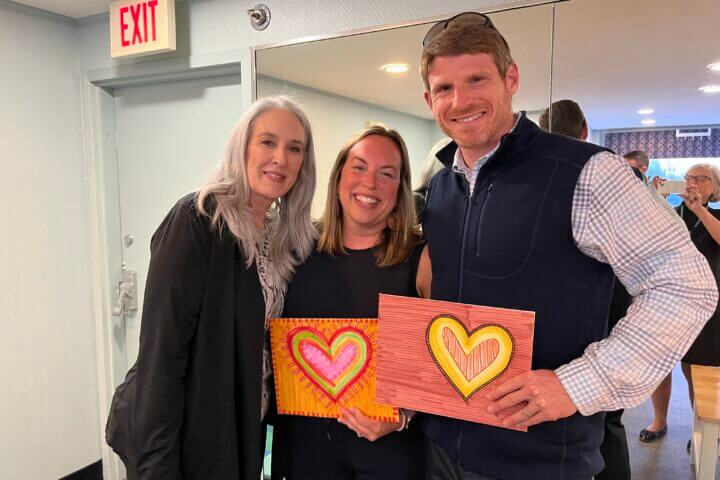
193	406
703	186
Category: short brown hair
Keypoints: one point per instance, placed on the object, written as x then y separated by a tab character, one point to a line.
398	241
567	119
639	156
459	39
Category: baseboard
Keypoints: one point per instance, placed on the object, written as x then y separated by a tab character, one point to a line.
91	472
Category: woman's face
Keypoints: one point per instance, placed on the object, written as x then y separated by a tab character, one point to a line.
274	156
369	183
701	178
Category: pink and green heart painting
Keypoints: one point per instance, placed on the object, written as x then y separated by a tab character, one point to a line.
321	365
334	364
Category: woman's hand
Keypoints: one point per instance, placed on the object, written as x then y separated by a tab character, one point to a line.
693	199
366	427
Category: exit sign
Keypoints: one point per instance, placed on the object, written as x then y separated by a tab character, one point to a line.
142	27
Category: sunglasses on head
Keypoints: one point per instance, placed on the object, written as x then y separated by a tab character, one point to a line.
463	19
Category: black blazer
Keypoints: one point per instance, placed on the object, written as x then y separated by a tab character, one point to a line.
190	407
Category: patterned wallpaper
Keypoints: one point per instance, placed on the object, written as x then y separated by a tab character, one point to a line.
664	144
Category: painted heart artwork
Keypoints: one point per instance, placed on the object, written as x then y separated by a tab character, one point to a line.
322	364
334	364
469	360
438	357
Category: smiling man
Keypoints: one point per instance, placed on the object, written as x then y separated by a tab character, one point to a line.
520	218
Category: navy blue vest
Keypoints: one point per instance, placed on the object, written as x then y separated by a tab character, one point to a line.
511	245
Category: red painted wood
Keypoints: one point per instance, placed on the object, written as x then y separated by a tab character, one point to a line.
407	375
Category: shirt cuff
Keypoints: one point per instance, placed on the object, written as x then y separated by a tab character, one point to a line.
584	386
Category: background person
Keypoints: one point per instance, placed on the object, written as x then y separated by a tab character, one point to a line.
431	166
638	159
703	186
567	119
368	245
707	191
193	405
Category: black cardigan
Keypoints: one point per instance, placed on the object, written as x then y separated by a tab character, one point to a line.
190	407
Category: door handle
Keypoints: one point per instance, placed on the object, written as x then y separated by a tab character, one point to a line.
126	302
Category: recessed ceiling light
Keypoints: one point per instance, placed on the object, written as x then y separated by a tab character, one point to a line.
646	111
710	89
714	67
395	67
648	121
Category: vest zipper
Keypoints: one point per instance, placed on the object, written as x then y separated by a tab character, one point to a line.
464	236
480	219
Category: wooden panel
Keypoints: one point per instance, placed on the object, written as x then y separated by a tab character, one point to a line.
706	385
323	364
438	357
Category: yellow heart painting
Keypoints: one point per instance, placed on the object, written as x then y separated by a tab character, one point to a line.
469	360
439	357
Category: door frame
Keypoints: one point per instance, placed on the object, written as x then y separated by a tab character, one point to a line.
101	169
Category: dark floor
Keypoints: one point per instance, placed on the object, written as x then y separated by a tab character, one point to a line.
666	458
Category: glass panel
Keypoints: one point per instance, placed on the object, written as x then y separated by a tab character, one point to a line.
341	85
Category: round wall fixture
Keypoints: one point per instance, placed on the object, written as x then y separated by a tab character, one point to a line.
259	16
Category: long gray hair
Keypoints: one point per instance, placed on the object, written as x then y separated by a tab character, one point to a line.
290	228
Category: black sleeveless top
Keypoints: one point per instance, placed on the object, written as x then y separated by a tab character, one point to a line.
706	348
347	285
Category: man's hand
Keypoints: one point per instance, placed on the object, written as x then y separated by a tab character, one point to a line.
366	427
539	392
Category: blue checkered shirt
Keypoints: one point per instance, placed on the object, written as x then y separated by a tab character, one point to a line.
674	291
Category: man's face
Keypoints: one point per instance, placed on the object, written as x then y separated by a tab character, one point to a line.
471	101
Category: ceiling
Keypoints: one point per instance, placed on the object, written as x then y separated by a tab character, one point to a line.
612	56
70	8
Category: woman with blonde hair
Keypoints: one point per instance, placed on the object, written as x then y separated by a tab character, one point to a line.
194	404
369	244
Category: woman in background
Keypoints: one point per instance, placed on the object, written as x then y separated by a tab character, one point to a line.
703	186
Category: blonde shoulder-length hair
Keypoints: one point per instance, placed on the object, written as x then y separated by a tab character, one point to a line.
401	234
225	195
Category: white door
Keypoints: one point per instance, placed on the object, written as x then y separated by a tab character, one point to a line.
169	136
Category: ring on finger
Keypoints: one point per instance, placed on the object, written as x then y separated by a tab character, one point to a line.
527	414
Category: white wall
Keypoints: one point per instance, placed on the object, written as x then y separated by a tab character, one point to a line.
335	119
48	389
